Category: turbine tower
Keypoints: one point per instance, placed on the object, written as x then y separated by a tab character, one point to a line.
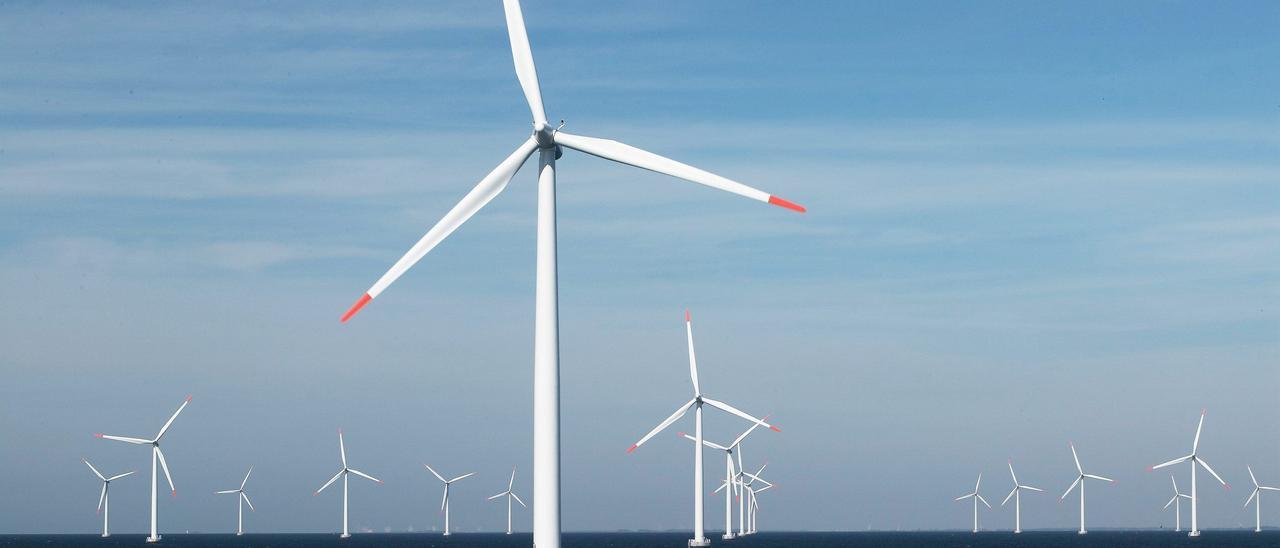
1257	494
699	535
104	499
343	473
1080	481
240	502
548	141
157	456
730	476
1176	501
511	494
976	498
444	502
1016	495
1195	459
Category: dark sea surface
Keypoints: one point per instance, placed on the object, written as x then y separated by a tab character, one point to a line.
1052	539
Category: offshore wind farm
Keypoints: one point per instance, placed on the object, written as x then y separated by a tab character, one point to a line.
1022	229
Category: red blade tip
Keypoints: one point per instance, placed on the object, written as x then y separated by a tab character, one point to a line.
364	299
1151	468
174	494
380	482
1227	485
97	435
784	203
687	317
315	493
632	448
680	434
775	428
188	397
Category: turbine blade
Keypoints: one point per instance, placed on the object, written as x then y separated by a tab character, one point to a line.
102	497
517	497
1006	499
226	492
1175	498
512	482
731	409
1175	484
723	484
342	448
489	187
1031	488
1015	476
744	435
523	57
464	476
664	424
1170	463
707	443
1072	488
978	484
246	478
502	494
99	474
444	499
1076	458
118	476
247	501
965	497
169	422
1249	468
364	475
693	359
1205	465
1100	478
1195	445
434	473
632	156
1265	488
137	441
165	466
1251	497
330	482
984	501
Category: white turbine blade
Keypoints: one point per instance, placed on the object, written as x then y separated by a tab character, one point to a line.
103	496
434	473
627	154
502	494
226	492
970	495
731	409
978	484
100	476
246	478
330	482
512	482
1251	496
517	497
723	485
364	475
1205	465
1188	497
169	422
165	466
444	498
1175	484
247	501
1100	478
761	470
1249	468
759	479
342	448
1015	476
118	476
744	435
1072	488
1077	458
707	443
523	56
665	423
1170	463
766	488
138	441
693	360
984	501
1195	445
489	187
1175	498
467	475
1006	499
1265	488
1030	488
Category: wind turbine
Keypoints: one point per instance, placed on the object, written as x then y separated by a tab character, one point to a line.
1257	494
729	474
444	502
753	506
344	472
240	502
104	499
1016	494
1176	501
511	494
1194	457
699	536
1080	481
976	498
156	456
548	142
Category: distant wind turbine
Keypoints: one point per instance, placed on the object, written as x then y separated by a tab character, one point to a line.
510	494
1016	495
1080	480
343	473
730	475
444	502
1195	459
976	498
1176	501
699	535
240	502
157	456
104	499
1256	498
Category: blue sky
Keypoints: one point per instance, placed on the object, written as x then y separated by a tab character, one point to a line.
1027	224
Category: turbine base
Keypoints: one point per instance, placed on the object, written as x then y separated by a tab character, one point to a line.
153	539
695	543
1082	532
1194	534
728	536
345	535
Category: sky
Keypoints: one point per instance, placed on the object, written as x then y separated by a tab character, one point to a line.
1028	224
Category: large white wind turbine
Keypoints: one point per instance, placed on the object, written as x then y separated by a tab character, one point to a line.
730	476
104	499
1016	495
444	502
1080	477
241	500
1176	501
1195	459
511	494
343	473
547	141
976	499
699	536
1254	497
156	456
